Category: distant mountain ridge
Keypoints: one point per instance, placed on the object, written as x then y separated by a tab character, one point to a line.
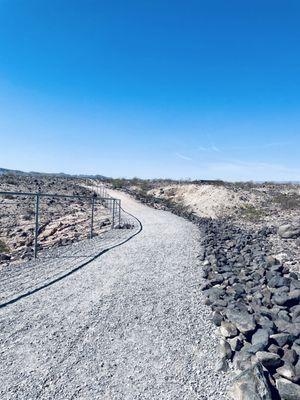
57	175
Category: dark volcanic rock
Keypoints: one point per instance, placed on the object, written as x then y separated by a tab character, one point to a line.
288	371
260	339
217	318
228	329
236	343
257	300
290	356
241	319
251	384
269	360
281	338
287	390
287	327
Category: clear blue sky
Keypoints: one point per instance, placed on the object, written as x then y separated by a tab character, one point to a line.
151	88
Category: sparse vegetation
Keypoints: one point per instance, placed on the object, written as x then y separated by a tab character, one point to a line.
3	247
118	183
251	213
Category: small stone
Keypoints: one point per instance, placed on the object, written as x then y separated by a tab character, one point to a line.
225	349
222	365
273	349
271	261
287	327
294	297
296	347
251	384
288	371
278	281
261	339
228	330
295	311
287	390
283	314
280	299
280	338
265	323
269	360
295	284
242	360
216	279
241	319
290	356
236	343
217	318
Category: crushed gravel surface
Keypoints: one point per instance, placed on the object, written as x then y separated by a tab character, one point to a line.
129	325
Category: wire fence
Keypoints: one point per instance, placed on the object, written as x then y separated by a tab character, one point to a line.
30	222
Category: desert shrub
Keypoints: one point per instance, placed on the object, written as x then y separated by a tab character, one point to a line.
10	179
3	247
135	181
118	183
215	182
250	213
287	201
145	186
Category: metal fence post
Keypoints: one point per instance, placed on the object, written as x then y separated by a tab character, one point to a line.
37	201
113	214
92	218
119	202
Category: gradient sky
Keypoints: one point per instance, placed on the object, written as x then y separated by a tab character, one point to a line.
151	88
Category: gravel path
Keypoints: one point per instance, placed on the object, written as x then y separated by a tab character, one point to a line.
129	325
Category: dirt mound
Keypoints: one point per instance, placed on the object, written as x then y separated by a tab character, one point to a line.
207	200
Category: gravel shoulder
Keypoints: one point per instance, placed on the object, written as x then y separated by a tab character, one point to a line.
129	325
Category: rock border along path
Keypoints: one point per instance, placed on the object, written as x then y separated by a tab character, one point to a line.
131	324
256	301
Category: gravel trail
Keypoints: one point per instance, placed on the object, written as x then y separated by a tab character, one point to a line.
129	325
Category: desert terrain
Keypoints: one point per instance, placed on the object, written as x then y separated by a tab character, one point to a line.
208	299
247	205
61	220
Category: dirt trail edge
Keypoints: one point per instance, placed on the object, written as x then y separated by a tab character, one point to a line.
129	325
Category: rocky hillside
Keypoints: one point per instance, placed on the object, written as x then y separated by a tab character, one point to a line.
62	220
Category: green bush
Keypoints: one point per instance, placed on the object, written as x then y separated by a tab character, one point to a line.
118	183
3	247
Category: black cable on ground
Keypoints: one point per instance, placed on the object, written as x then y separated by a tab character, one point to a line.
22	296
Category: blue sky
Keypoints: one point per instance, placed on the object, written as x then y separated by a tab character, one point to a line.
152	88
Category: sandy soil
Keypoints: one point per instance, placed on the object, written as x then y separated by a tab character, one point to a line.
206	200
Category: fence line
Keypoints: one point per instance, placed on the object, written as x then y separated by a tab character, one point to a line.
100	196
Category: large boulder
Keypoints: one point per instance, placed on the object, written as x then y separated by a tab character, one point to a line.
251	384
289	231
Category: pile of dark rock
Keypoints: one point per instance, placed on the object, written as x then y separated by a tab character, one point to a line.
256	304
